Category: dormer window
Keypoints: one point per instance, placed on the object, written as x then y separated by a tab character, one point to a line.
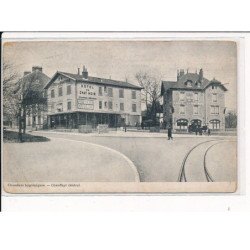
198	84
188	83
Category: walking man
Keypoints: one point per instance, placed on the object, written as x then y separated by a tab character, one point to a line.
196	130
209	132
170	133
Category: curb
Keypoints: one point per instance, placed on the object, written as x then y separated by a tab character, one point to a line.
131	164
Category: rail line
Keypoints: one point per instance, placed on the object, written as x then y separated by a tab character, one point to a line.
182	175
208	176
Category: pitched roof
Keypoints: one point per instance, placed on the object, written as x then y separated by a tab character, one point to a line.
36	80
193	79
96	80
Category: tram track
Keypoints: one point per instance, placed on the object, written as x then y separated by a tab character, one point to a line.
182	176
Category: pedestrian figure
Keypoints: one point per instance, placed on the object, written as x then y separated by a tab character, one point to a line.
142	125
196	130
209	132
170	133
200	131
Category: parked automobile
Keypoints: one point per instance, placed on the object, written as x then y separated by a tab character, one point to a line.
194	127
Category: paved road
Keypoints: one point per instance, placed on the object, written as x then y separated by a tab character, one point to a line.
158	159
211	161
65	160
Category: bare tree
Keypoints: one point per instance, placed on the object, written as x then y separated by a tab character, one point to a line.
144	81
10	98
151	90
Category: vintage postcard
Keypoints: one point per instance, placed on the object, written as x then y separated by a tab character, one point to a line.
119	115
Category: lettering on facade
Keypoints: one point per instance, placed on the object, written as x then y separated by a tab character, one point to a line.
87	90
85	104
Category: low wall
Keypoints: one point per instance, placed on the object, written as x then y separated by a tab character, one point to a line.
102	128
85	129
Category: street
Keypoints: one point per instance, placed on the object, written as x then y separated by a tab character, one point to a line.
152	159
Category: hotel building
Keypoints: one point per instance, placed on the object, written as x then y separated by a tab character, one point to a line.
80	99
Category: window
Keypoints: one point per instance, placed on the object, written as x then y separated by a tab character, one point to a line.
189	84
182	95
182	124
133	94
121	93
122	106
68	89
214	97
59	107
60	93
196	110
182	109
110	105
133	107
214	124
214	110
52	93
69	105
100	91
105	89
105	104
196	97
110	92
100	104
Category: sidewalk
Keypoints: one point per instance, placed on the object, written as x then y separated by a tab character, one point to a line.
134	134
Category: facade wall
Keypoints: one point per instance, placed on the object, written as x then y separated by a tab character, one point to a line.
195	105
184	103
211	113
36	121
54	102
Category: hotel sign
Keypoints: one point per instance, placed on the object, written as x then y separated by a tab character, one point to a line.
85	104
87	91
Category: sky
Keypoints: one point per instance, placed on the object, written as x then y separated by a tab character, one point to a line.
121	60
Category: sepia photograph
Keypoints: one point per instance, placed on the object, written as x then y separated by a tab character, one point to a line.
119	116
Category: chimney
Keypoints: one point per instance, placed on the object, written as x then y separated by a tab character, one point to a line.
200	75
78	71
181	73
178	75
26	73
37	68
85	73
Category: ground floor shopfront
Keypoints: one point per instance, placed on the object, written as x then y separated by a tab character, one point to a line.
73	120
184	124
